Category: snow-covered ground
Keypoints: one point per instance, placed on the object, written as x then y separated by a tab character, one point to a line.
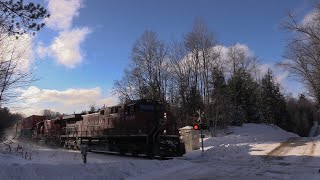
253	151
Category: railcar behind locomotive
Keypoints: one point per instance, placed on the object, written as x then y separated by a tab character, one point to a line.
139	127
25	128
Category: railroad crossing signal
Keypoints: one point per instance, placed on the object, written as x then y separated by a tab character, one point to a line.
201	116
196	127
199	125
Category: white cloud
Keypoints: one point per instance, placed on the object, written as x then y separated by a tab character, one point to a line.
65	101
247	51
41	50
282	77
264	68
309	18
66	47
224	50
62	13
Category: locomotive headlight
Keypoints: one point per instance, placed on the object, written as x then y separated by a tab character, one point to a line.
164	131
164	115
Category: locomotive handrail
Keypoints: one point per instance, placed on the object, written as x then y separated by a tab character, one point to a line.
151	130
154	136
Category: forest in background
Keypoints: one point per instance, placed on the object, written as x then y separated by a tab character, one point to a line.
227	84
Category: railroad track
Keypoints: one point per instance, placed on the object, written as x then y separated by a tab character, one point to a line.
142	156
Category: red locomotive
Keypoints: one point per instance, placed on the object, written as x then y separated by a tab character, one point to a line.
139	127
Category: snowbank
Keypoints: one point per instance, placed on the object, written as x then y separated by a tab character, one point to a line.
240	142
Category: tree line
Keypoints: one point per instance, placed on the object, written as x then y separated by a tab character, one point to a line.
225	83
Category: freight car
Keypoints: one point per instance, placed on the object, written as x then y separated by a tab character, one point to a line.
138	127
25	128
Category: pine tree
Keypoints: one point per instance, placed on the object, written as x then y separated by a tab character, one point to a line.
273	102
268	98
235	90
219	106
243	91
193	103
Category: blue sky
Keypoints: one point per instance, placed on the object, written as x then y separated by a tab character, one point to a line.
100	35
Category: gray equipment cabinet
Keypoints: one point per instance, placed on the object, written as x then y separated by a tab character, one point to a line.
190	137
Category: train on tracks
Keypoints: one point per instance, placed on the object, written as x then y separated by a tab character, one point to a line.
139	127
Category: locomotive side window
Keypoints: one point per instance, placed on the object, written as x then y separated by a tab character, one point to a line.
130	110
102	112
159	108
114	110
146	107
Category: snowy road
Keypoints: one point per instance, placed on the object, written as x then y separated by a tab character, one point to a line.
297	158
303	147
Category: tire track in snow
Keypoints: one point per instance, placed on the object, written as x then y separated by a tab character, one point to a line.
310	154
307	153
281	150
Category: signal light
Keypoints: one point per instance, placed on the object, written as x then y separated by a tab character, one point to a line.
164	115
202	126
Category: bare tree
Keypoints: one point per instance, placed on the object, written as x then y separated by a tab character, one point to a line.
180	71
125	88
49	114
302	54
147	76
199	44
13	73
16	19
92	107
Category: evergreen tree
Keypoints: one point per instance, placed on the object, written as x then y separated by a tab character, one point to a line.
194	103
302	113
273	105
243	91
268	97
219	101
235	89
250	96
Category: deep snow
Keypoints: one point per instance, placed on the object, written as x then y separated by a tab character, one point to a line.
253	151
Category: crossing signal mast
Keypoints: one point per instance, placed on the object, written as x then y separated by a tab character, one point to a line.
199	126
